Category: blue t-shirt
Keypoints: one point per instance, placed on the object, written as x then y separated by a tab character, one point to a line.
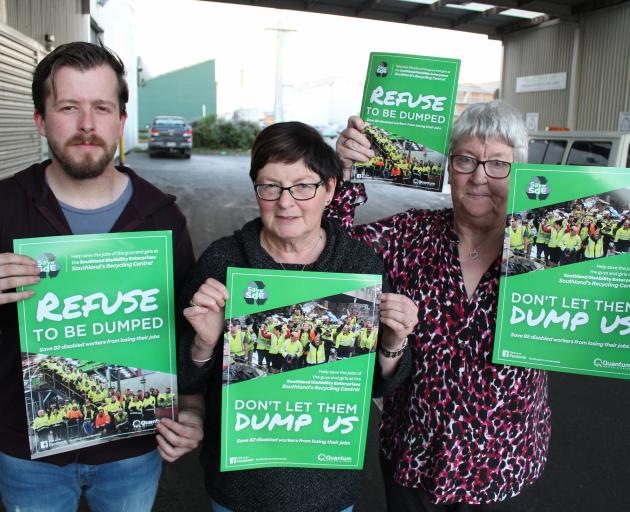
99	220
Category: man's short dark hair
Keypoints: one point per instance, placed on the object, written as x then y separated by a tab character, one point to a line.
78	55
293	142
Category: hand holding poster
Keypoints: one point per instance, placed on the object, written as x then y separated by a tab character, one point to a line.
408	103
564	301
97	339
298	366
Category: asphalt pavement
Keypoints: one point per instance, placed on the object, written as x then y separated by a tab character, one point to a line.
589	463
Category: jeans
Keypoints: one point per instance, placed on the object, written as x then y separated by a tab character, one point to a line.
220	508
126	485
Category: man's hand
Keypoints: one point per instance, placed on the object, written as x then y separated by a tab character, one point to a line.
176	438
15	271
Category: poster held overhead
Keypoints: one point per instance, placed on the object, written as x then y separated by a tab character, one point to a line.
408	105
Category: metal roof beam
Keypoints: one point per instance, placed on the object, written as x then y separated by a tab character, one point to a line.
595	5
508	28
421	10
472	16
366	6
554	9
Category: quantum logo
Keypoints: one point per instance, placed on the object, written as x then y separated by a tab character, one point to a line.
255	293
381	69
324	457
538	188
48	266
611	365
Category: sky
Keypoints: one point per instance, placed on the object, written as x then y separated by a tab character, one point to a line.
171	34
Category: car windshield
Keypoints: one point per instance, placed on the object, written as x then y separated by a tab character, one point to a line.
169	122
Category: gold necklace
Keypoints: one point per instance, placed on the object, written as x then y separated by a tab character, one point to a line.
474	253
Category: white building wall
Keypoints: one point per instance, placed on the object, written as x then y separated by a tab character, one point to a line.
62	19
115	19
330	101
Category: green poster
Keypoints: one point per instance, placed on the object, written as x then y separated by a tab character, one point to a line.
97	339
564	298
408	103
299	353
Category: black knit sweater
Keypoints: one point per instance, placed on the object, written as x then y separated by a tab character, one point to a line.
271	489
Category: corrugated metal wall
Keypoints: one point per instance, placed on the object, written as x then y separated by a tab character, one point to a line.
179	93
36	18
605	69
20	143
537	52
602	80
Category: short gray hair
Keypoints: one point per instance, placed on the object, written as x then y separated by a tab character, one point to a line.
492	120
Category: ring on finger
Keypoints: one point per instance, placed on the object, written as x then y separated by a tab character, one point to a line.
193	304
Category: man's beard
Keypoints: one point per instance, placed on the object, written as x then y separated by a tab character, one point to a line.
88	168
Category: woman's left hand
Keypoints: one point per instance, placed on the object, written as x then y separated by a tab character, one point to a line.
398	315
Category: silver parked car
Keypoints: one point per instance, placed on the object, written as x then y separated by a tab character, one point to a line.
170	134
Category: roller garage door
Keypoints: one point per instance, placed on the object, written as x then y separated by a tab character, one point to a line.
20	143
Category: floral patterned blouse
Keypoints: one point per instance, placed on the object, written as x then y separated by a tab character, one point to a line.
461	428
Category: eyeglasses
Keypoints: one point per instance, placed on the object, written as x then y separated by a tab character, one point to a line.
299	192
493	168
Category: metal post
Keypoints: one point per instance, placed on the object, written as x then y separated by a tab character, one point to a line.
278	108
121	150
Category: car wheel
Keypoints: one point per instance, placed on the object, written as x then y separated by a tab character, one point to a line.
187	155
151	154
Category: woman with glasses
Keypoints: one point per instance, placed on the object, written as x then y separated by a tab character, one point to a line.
462	431
294	174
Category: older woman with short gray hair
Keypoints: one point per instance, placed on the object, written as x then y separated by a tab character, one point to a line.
462	431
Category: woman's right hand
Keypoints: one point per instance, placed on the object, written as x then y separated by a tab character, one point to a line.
352	145
206	315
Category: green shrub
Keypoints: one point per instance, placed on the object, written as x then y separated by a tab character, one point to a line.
212	133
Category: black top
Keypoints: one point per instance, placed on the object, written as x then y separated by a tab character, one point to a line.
272	489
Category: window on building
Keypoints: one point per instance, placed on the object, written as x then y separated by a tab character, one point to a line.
585	152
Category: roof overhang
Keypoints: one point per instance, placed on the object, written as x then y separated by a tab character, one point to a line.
495	19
